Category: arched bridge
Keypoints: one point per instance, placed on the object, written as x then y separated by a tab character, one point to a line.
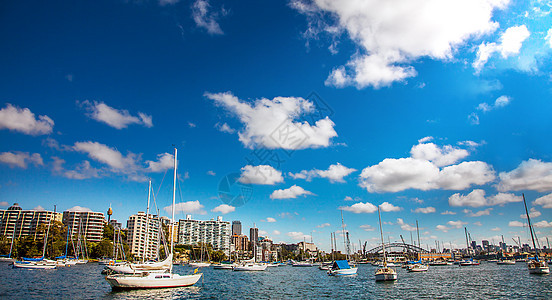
402	246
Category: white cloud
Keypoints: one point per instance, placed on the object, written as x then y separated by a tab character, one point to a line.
477	198
79	209
82	171
388	207
442	228
532	174
421	171
456	224
499	102
548	37
211	173
335	173
425	210
225	128
510	44
290	193
105	154
392	34
275	124
40	208
446	212
516	224
367	227
298	235
270	220
405	226
478	223
4	203
473	119
360	207
164	162
23	120
263	174
495	229
192	125
543	224
188	207
205	18
533	213
276	232
440	157
480	213
113	117
21	159
323	225
544	201
224	209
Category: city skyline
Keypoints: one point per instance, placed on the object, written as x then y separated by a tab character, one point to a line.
285	114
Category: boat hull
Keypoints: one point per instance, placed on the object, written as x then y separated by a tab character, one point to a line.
199	265
386	277
33	266
250	268
152	281
343	272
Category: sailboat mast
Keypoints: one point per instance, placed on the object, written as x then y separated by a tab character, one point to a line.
13	238
418	232
173	202
530	227
146	241
467	244
382	242
47	232
344	239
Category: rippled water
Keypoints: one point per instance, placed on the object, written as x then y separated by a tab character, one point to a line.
487	281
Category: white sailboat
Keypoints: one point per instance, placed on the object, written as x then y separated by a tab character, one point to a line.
385	273
536	265
251	265
38	263
156	280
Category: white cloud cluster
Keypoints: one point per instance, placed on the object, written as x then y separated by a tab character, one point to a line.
392	34
323	225
224	127
290	193
298	235
510	44
84	170
405	226
442	228
533	213
545	201
188	207
113	117
205	18
224	209
361	207
270	220
335	173
422	171
79	209
263	174
367	227
274	124
499	102
425	210
23	120
485	212
388	207
456	224
476	198
21	159
165	161
532	174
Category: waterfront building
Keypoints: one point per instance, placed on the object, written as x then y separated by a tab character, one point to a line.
240	242
253	235
25	222
236	228
143	235
485	245
115	224
214	232
88	224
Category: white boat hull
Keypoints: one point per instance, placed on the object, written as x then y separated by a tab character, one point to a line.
506	262
386	277
223	267
250	267
343	272
419	268
127	269
199	265
32	265
151	281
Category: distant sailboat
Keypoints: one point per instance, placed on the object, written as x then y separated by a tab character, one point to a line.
38	263
156	280
385	273
536	265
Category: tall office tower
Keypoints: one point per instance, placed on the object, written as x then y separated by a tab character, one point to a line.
236	228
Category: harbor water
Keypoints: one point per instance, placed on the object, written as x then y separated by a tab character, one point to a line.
486	281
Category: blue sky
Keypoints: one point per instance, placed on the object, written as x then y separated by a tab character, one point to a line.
437	111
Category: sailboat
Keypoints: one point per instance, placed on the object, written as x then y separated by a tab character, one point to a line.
471	261
385	273
8	258
156	280
251	265
38	263
342	267
200	263
535	266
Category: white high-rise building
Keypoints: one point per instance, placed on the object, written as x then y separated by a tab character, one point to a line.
88	224
25	222
214	232
143	235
